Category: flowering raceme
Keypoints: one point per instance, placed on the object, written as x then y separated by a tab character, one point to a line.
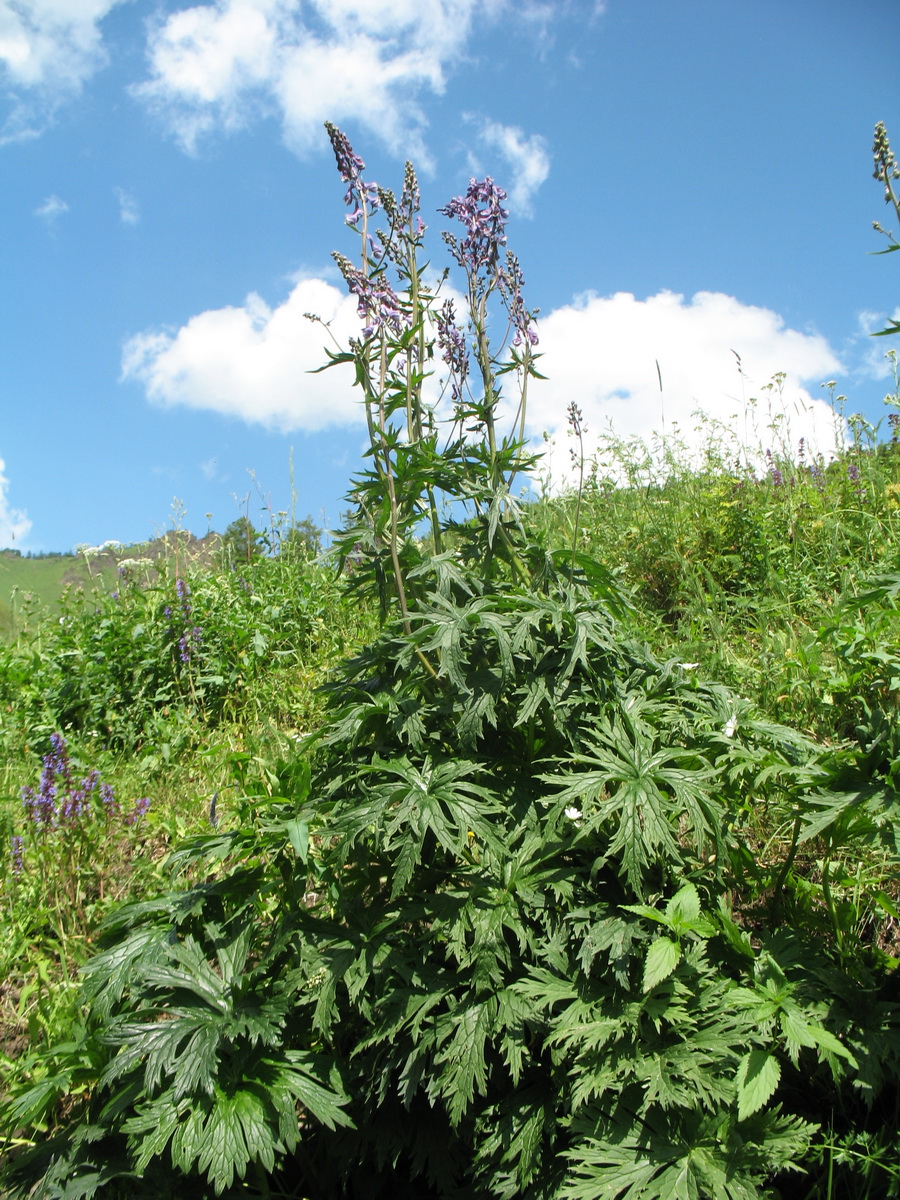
58	802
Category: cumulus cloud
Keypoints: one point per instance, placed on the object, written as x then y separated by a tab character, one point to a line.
872	352
14	524
525	159
712	353
48	49
51	210
129	212
715	355
253	362
218	66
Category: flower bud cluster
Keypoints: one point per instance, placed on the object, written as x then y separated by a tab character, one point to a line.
885	165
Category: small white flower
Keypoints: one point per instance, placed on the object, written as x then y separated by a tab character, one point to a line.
730	726
689	666
574	814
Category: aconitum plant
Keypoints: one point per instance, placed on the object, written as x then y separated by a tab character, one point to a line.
408	325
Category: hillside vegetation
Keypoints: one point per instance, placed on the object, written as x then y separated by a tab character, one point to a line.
539	848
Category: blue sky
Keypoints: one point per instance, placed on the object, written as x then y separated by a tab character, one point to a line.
688	182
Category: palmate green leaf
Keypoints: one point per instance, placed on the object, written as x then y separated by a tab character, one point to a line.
693	1157
662	958
847	814
758	1076
151	1128
435	797
183	1045
644	791
464	1059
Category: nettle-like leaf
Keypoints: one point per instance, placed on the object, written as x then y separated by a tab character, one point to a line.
757	1079
663	957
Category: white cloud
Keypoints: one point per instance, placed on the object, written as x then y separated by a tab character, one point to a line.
218	66
51	210
602	352
872	352
253	362
14	524
525	157
129	211
48	49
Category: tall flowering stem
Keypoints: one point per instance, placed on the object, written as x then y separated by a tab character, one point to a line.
427	455
886	172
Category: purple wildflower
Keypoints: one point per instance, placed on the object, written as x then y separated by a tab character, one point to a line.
378	305
18	850
481	211
853	476
454	350
184	651
894	423
140	810
360	196
511	282
108	798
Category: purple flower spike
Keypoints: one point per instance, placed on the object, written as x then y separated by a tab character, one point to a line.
481	211
379	305
18	850
511	283
140	810
454	350
360	196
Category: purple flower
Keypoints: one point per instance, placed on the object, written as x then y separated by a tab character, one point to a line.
379	305
481	211
18	850
853	476
360	196
140	810
511	281
774	472
454	350
108	797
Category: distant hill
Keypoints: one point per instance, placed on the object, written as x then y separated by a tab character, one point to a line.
45	577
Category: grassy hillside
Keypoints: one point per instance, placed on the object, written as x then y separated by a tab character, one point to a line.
29	583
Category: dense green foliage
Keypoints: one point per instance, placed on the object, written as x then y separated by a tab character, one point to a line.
533	909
